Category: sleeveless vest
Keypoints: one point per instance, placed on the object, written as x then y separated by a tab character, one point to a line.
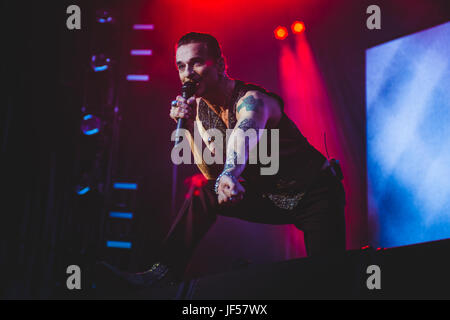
299	162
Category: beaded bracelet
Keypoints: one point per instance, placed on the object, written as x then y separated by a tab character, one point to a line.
224	173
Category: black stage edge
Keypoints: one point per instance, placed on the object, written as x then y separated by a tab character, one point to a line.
410	272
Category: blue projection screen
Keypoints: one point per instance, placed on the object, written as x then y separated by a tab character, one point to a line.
408	138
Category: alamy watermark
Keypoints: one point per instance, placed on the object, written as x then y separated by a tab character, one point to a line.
374	20
256	140
74	279
374	280
73	21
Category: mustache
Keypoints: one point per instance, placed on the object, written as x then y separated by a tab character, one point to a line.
194	80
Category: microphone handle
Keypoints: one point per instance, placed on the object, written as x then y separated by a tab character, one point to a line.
180	125
180	122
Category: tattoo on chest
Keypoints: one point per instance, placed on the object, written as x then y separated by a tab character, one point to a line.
250	104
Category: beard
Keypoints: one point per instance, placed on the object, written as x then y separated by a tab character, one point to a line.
208	86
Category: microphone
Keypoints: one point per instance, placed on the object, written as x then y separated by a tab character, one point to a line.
187	90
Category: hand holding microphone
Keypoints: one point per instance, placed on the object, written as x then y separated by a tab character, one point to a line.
184	107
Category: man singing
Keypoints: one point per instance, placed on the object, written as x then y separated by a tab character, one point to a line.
303	191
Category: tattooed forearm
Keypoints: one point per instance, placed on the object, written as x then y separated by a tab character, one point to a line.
250	104
248	124
239	145
231	161
241	141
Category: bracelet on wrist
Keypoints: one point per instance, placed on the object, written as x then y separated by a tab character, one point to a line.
224	173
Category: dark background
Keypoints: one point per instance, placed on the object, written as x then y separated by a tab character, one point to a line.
45	227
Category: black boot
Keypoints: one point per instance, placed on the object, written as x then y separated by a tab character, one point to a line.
112	281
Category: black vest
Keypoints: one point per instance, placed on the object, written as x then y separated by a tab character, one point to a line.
299	162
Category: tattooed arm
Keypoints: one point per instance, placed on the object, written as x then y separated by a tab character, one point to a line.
254	111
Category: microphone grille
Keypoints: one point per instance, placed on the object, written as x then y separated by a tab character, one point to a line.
188	89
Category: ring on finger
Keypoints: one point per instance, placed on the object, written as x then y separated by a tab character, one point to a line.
174	103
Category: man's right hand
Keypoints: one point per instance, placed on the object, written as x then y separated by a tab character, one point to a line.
184	109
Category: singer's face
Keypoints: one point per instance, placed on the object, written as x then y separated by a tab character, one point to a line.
194	63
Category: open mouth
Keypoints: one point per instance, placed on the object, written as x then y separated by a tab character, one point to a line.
195	84
194	81
190	87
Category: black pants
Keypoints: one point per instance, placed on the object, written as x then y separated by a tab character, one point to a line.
320	215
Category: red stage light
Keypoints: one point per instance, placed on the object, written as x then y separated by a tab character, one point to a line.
196	181
298	27
281	33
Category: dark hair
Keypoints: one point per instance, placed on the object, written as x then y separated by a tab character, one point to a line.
211	43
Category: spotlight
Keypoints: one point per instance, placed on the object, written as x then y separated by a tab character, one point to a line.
138	77
125	185
84	186
141	52
298	27
90	124
104	16
143	27
82	189
280	33
99	62
119	244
